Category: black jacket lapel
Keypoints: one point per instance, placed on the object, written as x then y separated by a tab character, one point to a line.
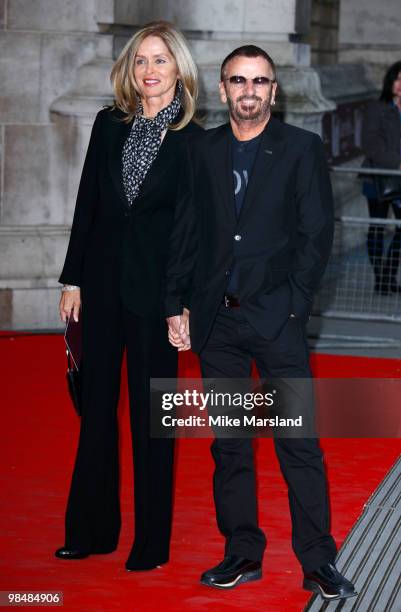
119	134
161	164
268	153
220	155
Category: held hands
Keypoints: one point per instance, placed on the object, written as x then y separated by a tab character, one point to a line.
70	304
178	331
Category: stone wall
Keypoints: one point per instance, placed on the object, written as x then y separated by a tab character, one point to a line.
323	36
369	32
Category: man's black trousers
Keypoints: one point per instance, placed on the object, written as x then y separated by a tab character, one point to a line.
229	351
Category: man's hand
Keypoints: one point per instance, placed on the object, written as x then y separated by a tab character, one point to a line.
70	304
178	331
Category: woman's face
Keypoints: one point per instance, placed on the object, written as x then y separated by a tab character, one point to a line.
397	86
155	69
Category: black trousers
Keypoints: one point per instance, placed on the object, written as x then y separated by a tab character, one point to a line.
93	511
385	265
232	345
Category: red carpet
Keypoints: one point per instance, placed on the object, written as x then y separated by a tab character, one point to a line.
39	436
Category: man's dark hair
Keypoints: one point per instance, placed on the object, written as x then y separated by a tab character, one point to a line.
248	51
388	81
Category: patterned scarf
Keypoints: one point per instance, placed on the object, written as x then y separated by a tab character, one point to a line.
143	143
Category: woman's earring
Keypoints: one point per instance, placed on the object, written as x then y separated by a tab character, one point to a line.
179	87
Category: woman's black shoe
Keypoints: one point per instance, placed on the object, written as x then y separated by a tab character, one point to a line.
68	553
142	569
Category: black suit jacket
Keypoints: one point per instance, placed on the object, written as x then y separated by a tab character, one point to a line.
280	242
114	250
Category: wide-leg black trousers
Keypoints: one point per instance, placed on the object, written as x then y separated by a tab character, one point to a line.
229	351
93	511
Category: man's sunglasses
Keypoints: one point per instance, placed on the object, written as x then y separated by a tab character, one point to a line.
260	81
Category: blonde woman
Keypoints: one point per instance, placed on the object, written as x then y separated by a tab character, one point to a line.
114	269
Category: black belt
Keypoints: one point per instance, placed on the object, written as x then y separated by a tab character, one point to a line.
230	301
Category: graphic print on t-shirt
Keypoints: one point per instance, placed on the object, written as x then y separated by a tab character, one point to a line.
238	181
243	157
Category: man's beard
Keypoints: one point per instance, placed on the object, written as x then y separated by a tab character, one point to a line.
259	112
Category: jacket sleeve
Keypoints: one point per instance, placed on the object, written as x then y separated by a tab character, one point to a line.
374	142
182	244
84	210
315	227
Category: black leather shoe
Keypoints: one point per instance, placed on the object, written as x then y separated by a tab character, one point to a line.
68	553
140	560
329	583
231	572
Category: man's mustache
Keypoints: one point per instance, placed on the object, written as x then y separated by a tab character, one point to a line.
249	99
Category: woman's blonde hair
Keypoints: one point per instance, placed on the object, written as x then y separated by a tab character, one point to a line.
122	74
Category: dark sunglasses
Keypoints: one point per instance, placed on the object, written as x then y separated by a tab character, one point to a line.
260	81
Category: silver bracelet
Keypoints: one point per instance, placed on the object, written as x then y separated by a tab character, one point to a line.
69	288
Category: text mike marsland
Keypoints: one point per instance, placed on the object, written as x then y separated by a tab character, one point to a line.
226	421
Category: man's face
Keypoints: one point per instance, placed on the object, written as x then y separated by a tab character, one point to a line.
248	89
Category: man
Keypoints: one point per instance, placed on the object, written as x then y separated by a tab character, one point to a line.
253	234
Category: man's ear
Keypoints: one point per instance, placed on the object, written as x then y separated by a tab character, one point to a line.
222	91
274	93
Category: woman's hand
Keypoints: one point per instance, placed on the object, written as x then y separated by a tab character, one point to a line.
184	326
70	304
178	331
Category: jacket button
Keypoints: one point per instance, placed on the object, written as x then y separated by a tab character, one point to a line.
228	272
237	237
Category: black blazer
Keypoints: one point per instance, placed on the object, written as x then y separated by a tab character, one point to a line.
381	135
281	241
114	250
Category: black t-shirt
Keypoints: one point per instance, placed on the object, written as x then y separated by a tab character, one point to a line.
243	153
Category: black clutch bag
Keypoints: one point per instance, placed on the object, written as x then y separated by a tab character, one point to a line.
73	342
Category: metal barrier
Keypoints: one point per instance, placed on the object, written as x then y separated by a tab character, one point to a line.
361	255
348	286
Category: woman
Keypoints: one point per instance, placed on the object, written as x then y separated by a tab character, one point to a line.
381	143
114	268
